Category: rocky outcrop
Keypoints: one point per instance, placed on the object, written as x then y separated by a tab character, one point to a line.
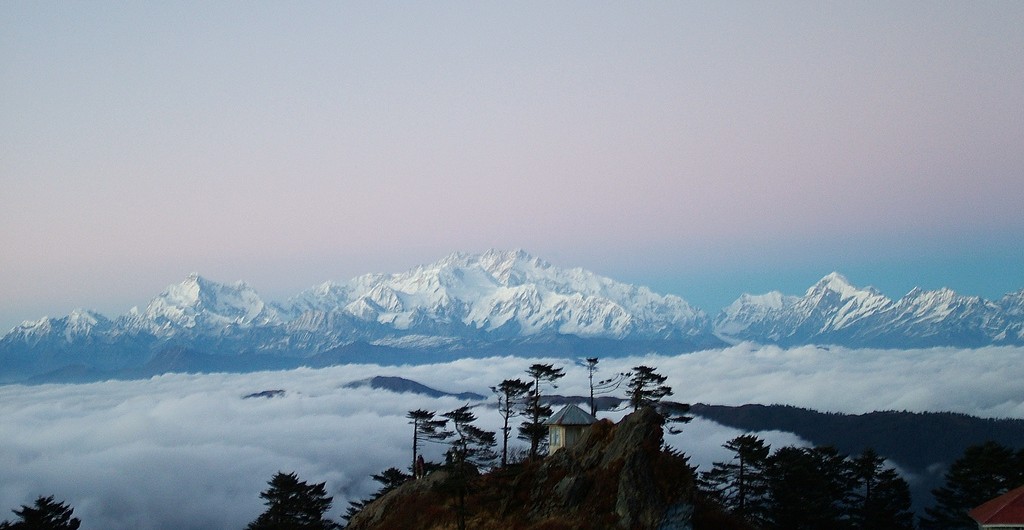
617	476
422	501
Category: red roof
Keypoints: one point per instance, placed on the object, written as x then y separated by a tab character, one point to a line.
1007	508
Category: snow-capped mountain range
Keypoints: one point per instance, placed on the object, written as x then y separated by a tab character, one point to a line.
490	303
834	312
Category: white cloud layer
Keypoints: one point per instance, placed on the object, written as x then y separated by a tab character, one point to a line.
186	451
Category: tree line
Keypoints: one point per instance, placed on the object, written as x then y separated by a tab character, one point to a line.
819	488
808	488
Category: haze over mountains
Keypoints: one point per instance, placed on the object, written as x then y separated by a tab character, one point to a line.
469	305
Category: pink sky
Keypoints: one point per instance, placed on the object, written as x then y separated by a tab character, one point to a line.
704	149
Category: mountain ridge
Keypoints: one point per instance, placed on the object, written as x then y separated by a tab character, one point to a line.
833	311
461	303
466	304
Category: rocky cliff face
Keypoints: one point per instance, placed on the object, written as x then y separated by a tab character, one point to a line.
618	476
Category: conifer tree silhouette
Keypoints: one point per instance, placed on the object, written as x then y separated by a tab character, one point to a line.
44	514
294	505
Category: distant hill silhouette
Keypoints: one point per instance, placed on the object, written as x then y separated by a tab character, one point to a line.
402	385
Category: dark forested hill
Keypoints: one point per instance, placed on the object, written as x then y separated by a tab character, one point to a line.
912	439
921	443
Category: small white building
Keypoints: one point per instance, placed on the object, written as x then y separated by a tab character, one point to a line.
1005	512
566	426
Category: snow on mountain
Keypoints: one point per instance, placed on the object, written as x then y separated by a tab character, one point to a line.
497	299
80	324
504	294
833	304
199	305
936	307
942	315
833	311
748	315
323	297
1013	305
830	308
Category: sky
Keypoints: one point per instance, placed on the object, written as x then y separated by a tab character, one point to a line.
704	149
99	446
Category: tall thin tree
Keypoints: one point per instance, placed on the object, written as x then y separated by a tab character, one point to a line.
533	429
511	400
425	427
740	485
646	387
605	386
470	446
880	498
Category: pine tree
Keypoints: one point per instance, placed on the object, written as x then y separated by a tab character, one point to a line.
591	368
880	497
471	447
424	428
605	386
44	514
983	472
511	400
646	387
740	485
808	489
294	505
533	429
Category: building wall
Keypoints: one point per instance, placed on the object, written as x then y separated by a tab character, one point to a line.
556	438
573	435
563	436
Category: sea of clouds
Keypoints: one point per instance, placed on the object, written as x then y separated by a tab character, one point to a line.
188	452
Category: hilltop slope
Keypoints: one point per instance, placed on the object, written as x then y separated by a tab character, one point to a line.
618	476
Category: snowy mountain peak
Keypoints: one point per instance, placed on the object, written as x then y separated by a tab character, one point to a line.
1013	303
511	268
833	311
83	323
503	294
327	289
80	323
84	317
943	293
200	303
750	309
769	300
197	292
322	297
466	301
85	320
837	283
30	329
937	304
508	268
836	297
